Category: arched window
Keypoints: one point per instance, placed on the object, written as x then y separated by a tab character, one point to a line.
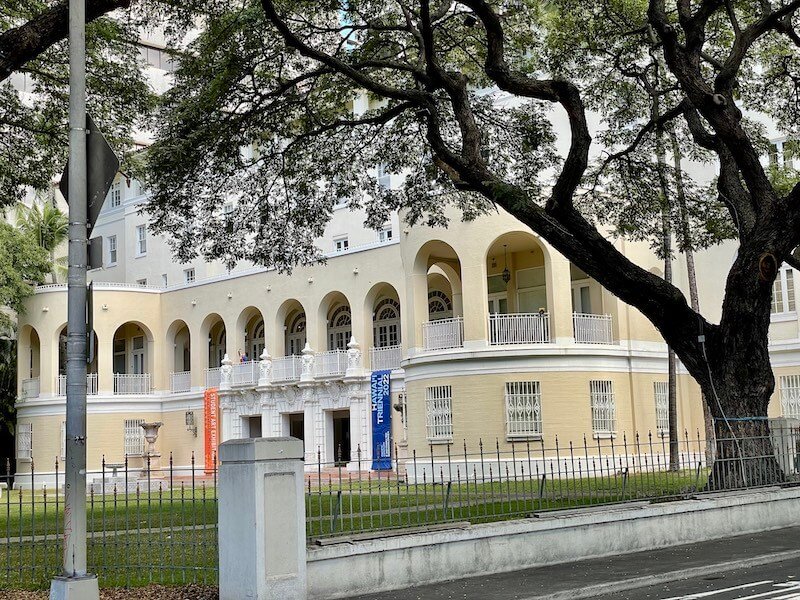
339	328
255	344
439	305
386	323
296	335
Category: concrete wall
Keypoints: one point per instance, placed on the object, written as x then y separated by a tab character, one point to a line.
380	564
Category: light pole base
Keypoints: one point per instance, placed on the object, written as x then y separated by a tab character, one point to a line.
74	588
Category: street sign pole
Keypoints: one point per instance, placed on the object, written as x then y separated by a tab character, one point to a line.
76	582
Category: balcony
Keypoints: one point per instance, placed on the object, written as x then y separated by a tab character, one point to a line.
520	328
30	388
443	334
180	382
91	385
286	369
330	364
592	329
132	384
386	358
213	377
245	373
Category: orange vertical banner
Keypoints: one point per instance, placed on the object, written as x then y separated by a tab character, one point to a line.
211	427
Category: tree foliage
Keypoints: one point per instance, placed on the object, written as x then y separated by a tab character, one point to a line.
23	262
46	224
34	79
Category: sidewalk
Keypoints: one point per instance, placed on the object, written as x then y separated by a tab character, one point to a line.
593	578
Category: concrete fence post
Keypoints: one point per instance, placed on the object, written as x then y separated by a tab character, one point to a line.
262	549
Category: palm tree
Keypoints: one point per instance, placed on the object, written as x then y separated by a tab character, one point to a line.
49	227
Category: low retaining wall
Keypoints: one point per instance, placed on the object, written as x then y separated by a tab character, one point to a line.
369	566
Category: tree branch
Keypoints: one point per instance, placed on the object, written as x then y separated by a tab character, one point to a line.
26	42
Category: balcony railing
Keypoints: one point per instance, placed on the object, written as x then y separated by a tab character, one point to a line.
127	384
180	382
388	357
592	329
330	364
245	373
286	368
91	385
30	388
443	334
213	378
519	328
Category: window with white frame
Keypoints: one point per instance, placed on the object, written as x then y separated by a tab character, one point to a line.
115	194
134	437
439	412
141	282
523	409
790	396
24	441
188	275
164	280
112	250
783	292
661	395
63	440
141	240
384	178
341	244
385	234
604	411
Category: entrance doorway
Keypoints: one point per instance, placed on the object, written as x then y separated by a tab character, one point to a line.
296	426
254	427
341	436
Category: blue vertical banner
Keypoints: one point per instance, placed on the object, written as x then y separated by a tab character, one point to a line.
381	420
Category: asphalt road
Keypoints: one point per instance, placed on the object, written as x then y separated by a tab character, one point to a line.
778	581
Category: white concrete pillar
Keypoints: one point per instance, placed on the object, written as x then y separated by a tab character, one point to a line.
312	443
559	298
262	549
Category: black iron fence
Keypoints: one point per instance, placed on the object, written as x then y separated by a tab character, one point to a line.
151	523
146	523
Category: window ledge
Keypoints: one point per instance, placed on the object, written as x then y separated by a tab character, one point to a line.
141	255
26	459
524	438
782	317
604	435
440	441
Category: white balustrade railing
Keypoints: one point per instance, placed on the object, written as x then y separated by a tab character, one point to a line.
286	368
126	384
442	334
245	373
213	377
180	382
519	328
30	388
332	363
388	357
592	329
91	385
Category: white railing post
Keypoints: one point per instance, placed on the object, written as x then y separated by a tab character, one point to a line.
307	374
262	546
354	367
226	374
264	368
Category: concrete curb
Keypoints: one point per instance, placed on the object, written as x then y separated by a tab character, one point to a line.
601	589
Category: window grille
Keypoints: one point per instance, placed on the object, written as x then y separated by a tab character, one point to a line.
790	396
661	394
604	412
24	441
438	412
523	408
134	437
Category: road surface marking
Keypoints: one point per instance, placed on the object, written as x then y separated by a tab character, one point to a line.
721	591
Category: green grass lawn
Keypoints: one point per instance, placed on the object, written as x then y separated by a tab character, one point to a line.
170	536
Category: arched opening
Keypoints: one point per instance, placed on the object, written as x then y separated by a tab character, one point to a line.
250	324
335	311
213	336
179	357
91	367
383	306
29	361
132	360
519	310
440	266
292	320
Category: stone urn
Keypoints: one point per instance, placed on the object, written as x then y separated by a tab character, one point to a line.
152	457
